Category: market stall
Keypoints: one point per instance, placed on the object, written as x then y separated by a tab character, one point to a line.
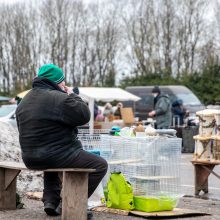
92	94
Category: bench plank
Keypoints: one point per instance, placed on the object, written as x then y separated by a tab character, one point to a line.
10	175
75	196
204	162
21	166
75	189
201	177
13	165
7	197
202	170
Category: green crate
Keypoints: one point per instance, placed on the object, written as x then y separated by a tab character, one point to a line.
154	204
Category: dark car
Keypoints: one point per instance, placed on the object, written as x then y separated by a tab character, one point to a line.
145	105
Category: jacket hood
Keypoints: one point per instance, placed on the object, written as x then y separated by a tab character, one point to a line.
163	95
45	83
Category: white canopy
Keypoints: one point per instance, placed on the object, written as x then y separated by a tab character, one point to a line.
92	94
106	94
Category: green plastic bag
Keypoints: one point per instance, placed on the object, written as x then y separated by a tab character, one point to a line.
120	193
154	204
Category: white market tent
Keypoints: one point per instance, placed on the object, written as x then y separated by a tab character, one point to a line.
92	94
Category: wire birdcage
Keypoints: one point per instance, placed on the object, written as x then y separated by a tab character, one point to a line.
91	141
151	164
94	131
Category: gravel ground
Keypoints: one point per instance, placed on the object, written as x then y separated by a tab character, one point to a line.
34	210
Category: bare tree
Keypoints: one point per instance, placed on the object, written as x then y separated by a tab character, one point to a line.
140	31
4	54
74	39
97	44
18	35
190	28
106	44
90	40
167	17
55	15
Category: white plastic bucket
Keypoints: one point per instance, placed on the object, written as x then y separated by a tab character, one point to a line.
217	122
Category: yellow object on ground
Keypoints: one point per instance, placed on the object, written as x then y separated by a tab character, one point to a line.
154	204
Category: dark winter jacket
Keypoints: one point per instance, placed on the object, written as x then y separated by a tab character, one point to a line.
163	111
47	118
179	113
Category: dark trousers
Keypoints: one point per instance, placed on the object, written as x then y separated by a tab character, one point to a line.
52	183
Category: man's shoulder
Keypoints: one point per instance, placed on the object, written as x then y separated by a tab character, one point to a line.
58	93
163	96
49	95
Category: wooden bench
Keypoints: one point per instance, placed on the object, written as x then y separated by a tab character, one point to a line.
74	195
202	170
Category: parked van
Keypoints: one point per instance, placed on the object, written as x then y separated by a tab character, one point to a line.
145	105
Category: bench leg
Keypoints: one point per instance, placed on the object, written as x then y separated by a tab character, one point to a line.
201	177
8	188
75	196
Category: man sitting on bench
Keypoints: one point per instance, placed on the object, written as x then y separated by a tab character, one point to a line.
47	120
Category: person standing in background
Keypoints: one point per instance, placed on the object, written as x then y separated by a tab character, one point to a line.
117	112
162	109
179	112
107	110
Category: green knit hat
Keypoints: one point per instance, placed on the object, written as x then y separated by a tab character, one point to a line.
51	72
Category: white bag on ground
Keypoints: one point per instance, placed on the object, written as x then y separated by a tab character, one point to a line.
97	198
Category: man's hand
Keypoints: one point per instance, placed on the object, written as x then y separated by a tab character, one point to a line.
152	113
68	90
